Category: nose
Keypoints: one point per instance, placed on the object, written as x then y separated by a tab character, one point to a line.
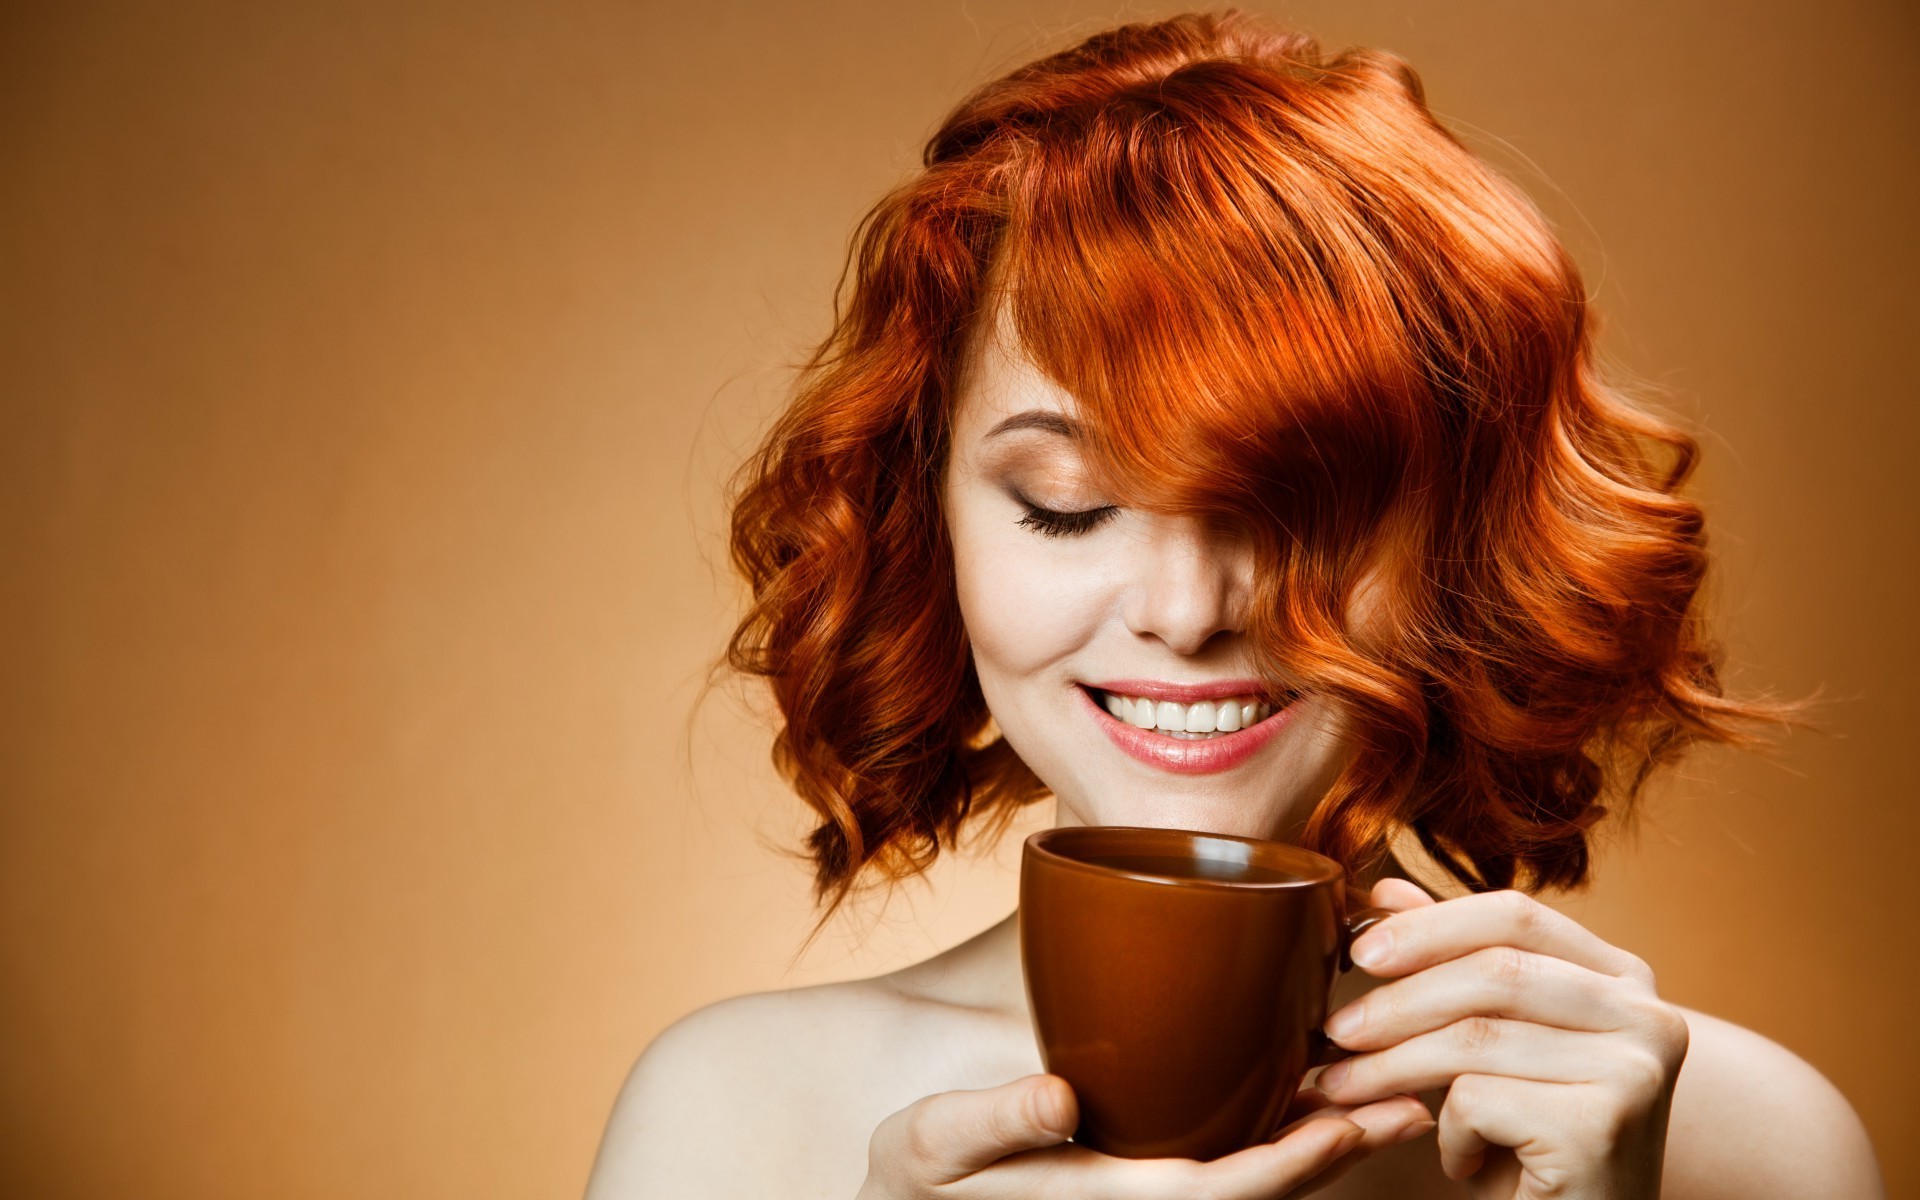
1188	584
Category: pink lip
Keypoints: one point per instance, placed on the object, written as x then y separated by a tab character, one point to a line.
1183	693
1201	757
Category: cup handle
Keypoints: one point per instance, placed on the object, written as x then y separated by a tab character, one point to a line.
1325	1050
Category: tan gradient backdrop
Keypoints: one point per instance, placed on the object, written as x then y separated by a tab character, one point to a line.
370	372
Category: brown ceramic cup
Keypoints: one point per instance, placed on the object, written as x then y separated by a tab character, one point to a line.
1179	979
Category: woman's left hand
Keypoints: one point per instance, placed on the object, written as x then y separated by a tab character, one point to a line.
1552	1043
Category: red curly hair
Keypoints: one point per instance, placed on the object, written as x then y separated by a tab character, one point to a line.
1287	299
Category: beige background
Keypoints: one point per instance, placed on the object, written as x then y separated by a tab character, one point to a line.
369	374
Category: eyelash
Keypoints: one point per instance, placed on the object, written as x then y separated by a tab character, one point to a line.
1049	523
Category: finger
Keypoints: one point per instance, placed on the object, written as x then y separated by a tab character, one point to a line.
1399	895
1498	981
1373	1139
954	1134
1420	937
1478	1045
1387	1123
1310	1101
1482	1112
1305	1101
1391	1121
1268	1171
1383	1120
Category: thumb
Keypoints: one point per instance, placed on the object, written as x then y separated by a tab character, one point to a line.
967	1131
1052	1107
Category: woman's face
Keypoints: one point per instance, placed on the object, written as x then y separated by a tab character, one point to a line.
1114	609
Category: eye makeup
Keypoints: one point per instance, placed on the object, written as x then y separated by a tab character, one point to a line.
1051	523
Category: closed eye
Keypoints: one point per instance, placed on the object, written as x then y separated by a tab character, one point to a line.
1065	524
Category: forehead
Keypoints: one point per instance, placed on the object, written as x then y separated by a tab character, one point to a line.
998	381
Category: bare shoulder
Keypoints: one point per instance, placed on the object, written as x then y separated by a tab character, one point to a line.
779	1092
749	1095
1753	1120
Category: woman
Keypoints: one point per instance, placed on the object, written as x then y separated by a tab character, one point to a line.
1209	440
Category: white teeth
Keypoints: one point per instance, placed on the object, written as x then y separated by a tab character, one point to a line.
1205	719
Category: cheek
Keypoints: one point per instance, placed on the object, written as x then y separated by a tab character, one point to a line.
1025	606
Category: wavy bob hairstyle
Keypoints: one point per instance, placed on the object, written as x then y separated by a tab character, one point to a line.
1288	301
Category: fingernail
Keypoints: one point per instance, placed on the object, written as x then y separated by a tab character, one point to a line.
1349	1139
1048	1109
1332	1077
1346	1022
1413	1131
1373	948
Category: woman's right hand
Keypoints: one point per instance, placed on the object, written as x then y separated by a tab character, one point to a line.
1010	1142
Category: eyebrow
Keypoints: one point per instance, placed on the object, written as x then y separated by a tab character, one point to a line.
1038	418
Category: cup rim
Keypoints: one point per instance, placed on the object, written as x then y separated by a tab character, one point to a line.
1315	869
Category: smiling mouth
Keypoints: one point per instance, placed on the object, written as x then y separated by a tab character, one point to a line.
1204	721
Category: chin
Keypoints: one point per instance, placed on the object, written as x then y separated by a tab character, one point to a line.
1201	816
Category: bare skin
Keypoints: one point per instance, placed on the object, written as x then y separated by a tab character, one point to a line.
778	1094
1528	1057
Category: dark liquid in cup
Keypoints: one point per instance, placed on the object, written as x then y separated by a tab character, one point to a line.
1187	867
